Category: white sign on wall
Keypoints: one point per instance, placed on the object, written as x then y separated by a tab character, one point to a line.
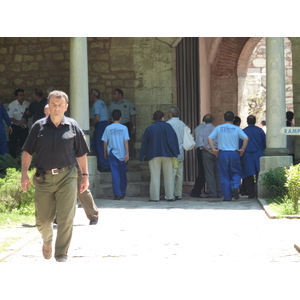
290	130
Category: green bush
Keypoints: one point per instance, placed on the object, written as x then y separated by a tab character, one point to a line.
11	192
275	181
293	184
7	161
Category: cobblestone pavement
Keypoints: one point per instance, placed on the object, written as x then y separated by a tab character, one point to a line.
198	230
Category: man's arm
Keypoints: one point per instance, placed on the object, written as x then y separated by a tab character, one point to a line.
126	158
26	161
95	120
133	123
82	163
105	149
245	143
211	144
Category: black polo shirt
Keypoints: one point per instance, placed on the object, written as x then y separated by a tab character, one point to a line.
55	147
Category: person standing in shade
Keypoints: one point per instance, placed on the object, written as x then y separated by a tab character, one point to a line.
199	185
178	127
290	139
263	126
127	109
115	138
237	121
58	145
100	122
210	161
228	154
19	133
253	152
159	146
36	108
3	140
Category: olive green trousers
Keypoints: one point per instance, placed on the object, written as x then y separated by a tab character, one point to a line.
56	196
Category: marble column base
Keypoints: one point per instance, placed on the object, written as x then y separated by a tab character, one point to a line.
276	151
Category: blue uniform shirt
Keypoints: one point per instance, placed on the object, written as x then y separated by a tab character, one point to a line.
115	135
228	136
99	108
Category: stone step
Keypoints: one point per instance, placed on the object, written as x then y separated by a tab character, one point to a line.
134	189
132	176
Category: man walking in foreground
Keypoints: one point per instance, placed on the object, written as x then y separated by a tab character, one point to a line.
57	142
228	154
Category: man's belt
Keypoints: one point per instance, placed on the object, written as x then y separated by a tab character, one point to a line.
58	170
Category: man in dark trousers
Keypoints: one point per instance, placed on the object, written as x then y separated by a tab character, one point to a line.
199	186
58	145
250	159
19	133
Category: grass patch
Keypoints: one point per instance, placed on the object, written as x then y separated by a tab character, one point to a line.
281	206
12	220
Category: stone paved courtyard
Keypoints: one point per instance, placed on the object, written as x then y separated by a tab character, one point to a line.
201	230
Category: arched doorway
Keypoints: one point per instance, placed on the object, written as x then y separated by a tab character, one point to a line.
251	73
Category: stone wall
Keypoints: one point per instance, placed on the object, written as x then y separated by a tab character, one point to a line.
142	67
29	63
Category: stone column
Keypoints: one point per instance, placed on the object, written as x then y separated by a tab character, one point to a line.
275	103
79	95
296	90
276	151
79	89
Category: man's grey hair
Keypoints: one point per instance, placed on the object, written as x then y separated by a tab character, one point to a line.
174	111
58	94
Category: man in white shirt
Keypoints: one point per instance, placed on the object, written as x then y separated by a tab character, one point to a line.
178	127
19	134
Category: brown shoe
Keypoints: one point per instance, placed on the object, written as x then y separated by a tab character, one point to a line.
47	251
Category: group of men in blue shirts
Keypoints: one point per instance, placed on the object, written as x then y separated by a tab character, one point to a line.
113	126
238	154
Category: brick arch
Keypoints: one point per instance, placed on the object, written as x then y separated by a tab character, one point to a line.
224	78
243	61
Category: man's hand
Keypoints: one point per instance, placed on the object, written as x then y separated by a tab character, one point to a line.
126	158
10	130
241	151
84	184
216	152
133	131
25	182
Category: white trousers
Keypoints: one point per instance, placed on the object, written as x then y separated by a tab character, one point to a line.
155	166
178	178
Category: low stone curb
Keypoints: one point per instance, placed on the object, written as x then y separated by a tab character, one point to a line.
17	246
266	208
273	215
